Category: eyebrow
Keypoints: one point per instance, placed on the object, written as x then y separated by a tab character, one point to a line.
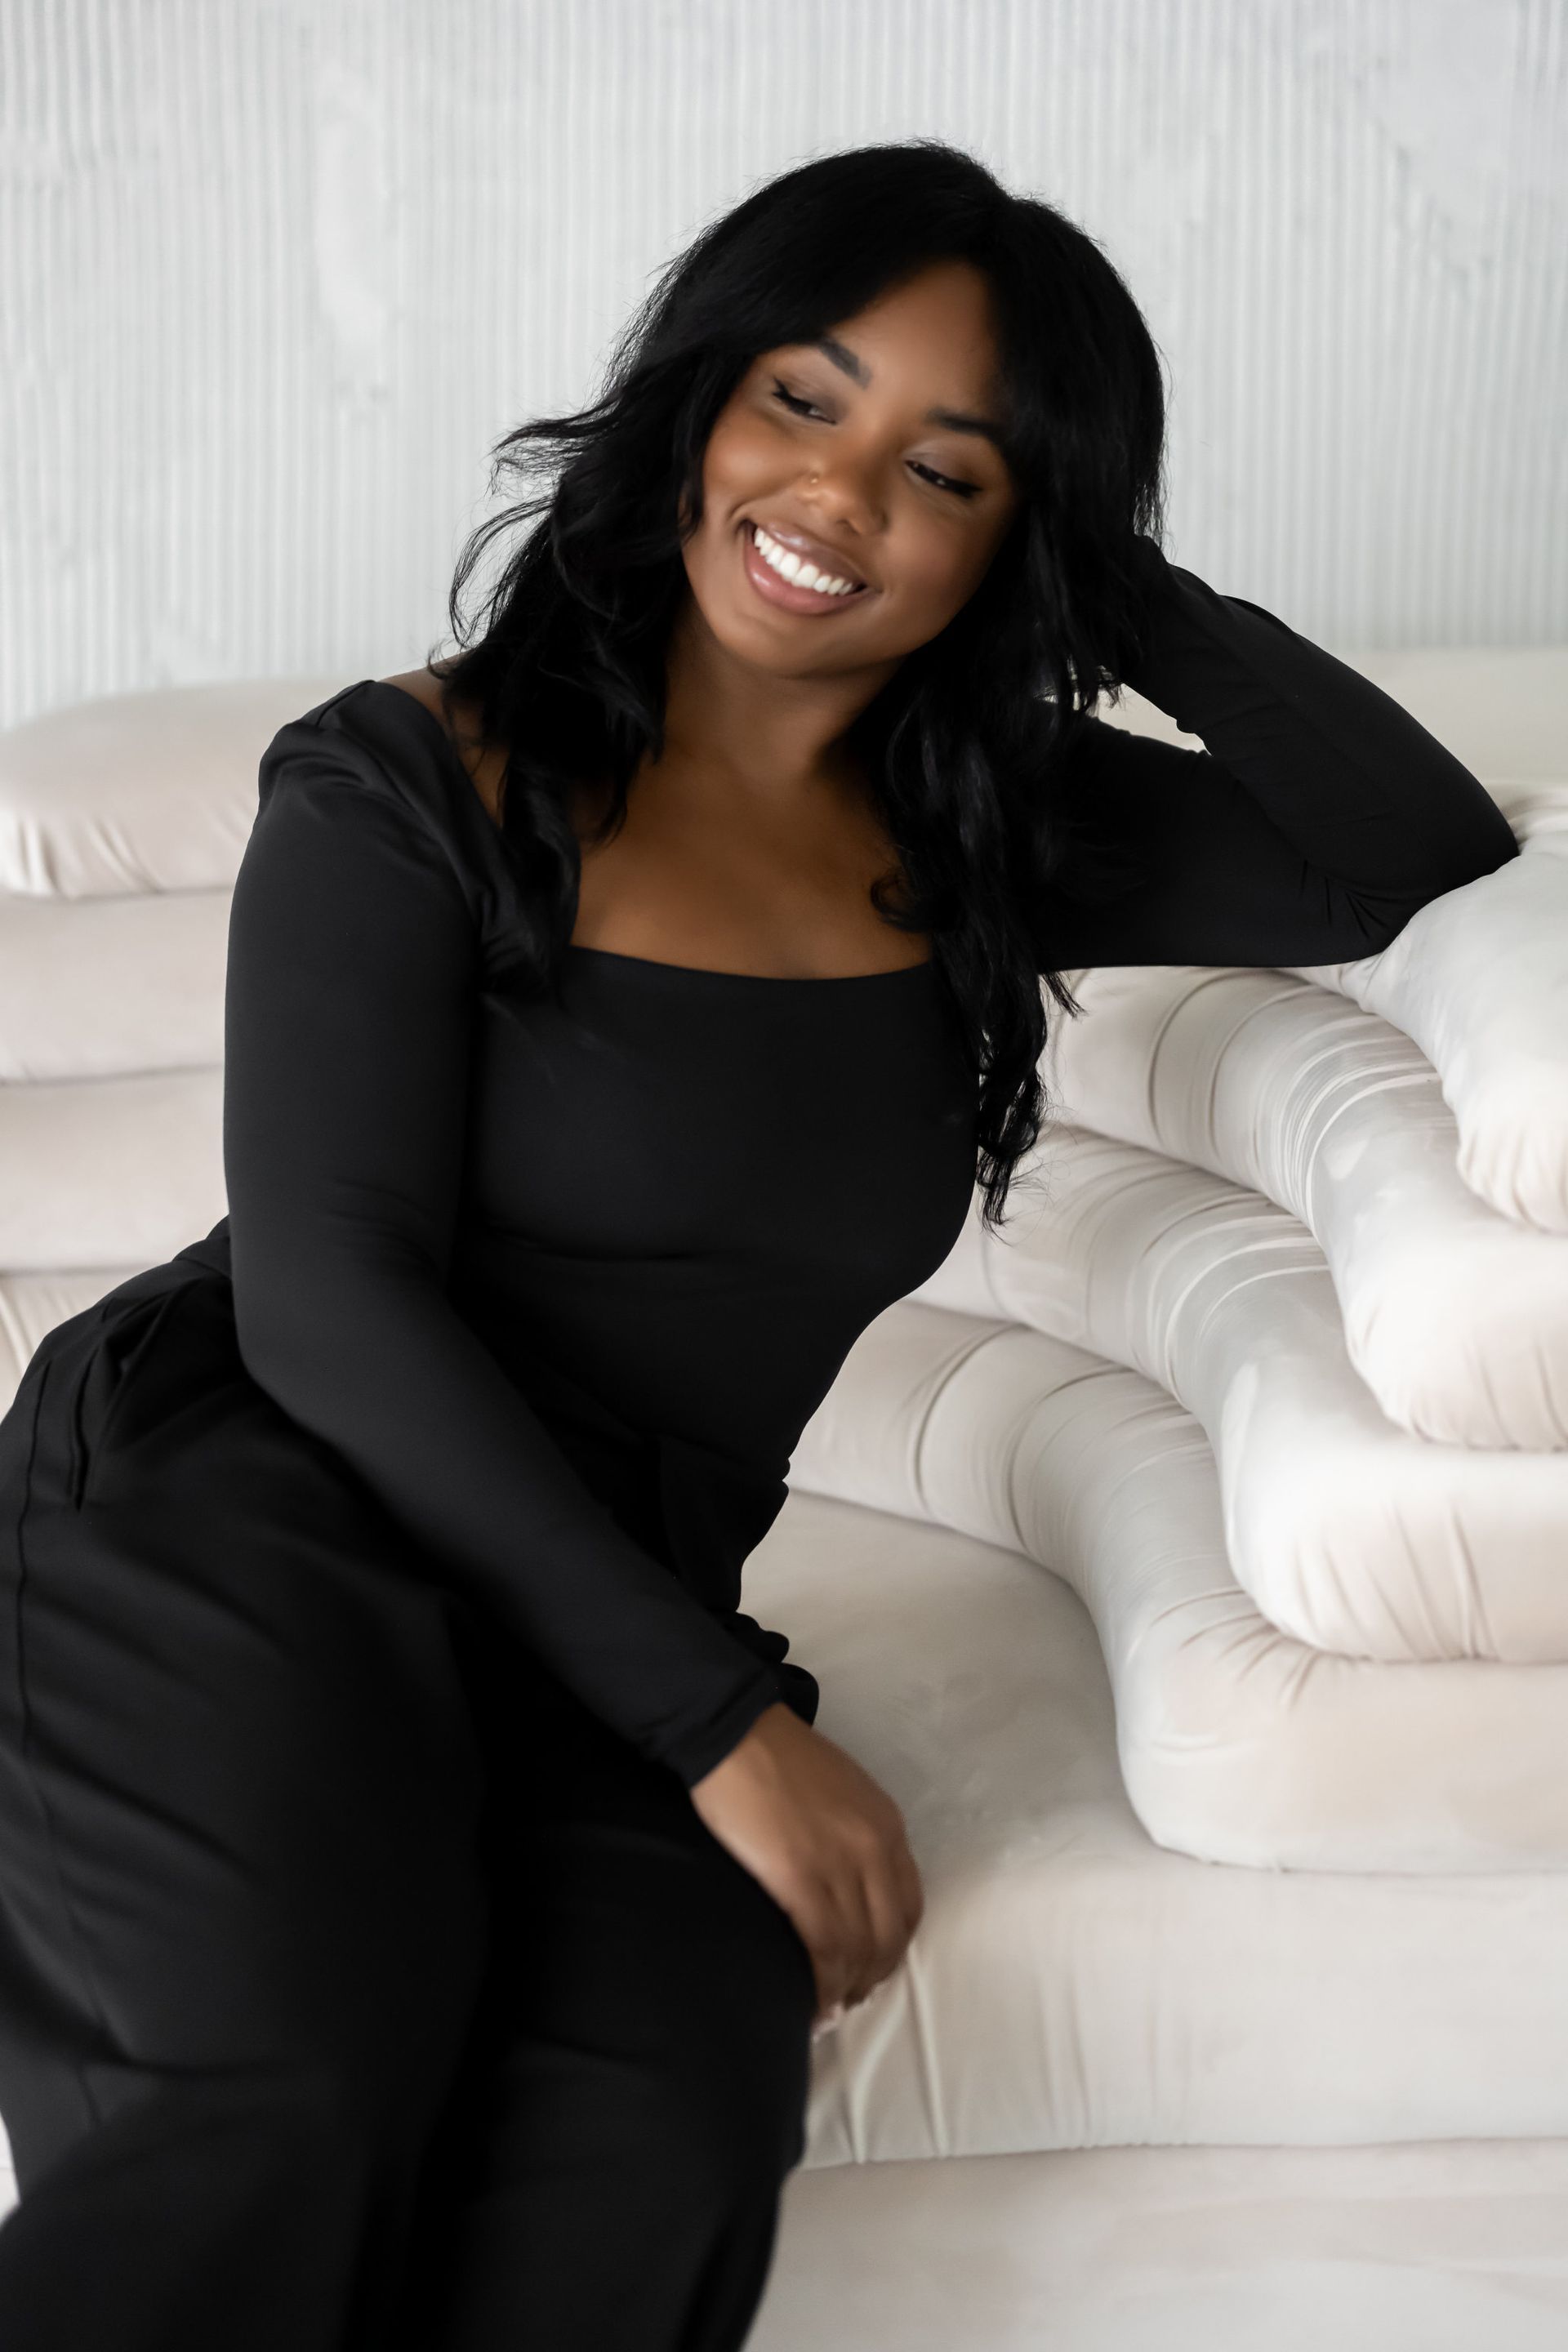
954	419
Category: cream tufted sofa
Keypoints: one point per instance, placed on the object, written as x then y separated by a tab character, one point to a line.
1191	1562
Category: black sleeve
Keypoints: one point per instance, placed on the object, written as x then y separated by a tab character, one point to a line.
1316	822
353	968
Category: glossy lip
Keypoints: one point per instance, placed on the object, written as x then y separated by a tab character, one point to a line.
775	590
816	550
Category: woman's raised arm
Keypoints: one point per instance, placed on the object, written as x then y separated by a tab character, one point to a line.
1318	819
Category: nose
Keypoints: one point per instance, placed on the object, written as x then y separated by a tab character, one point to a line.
843	491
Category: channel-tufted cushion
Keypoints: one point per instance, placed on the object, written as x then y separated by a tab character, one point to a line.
1281	1085
1348	1532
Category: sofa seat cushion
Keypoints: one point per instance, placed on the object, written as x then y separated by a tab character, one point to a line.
1457	2246
1075	1983
1238	1742
1346	1532
1456	1317
154	791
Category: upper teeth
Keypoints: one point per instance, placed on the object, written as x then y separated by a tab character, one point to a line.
803	575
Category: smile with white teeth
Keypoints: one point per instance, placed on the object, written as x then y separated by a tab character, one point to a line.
800	576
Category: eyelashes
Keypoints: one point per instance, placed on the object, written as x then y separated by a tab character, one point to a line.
942	481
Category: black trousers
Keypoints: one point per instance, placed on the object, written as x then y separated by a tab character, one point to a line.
357	1987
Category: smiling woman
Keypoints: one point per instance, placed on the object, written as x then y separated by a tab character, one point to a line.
937	442
419	1876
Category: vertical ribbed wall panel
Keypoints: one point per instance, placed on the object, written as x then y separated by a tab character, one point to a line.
274	275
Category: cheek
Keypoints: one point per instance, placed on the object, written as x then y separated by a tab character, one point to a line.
737	453
938	570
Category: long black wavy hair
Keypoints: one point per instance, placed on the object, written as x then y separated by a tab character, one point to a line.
568	668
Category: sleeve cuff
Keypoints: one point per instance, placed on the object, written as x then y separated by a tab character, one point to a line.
698	1751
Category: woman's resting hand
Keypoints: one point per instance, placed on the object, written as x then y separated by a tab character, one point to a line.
825	1840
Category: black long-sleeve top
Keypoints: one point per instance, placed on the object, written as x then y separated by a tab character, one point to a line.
563	1283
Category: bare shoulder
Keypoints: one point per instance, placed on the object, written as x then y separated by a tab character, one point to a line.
487	763
422	684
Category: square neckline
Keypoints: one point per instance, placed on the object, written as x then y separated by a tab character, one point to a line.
456	769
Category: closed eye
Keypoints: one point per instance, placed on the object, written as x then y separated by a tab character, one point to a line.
943	481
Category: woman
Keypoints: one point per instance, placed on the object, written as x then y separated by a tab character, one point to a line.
419	1881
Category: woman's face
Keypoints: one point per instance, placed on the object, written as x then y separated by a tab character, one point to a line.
833	451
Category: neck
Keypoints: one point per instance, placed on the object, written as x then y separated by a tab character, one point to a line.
763	734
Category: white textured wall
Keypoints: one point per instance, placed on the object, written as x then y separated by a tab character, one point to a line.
274	274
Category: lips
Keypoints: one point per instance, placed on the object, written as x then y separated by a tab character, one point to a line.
771	587
828	559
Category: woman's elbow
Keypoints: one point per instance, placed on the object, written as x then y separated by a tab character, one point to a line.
1380	920
285	1349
